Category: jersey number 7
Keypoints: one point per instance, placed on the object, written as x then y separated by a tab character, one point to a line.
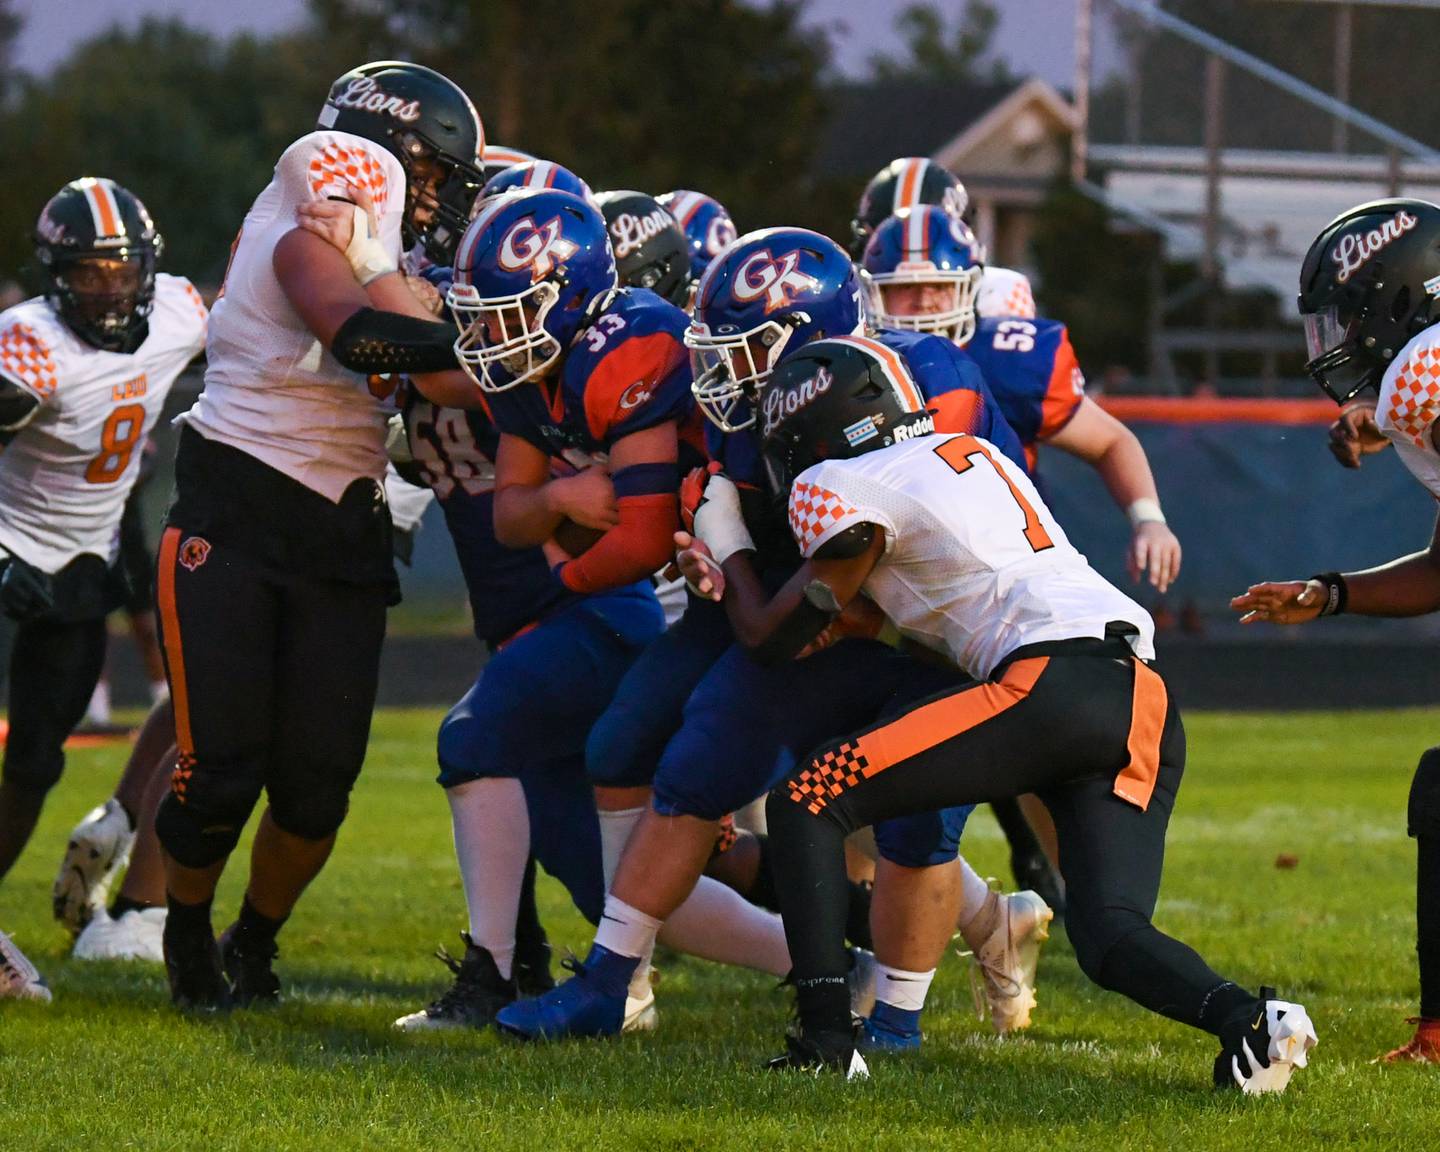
960	453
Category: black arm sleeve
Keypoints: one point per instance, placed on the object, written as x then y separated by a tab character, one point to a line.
373	341
17	405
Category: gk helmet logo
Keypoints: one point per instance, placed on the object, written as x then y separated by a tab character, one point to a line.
719	235
541	249
780	281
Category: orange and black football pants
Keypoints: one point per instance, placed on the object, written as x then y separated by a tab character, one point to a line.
1084	725
273	676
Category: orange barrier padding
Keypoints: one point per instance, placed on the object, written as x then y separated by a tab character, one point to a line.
1218	410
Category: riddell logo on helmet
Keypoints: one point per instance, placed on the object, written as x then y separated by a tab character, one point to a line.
1355	248
628	231
780	281
540	248
365	95
780	405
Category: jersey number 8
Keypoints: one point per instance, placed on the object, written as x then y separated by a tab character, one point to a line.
118	438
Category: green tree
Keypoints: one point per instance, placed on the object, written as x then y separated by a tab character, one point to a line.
940	54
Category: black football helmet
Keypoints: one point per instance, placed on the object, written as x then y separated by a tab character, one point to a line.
833	400
1368	284
97	249
901	185
651	249
428	123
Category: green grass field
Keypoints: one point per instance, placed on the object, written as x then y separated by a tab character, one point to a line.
109	1065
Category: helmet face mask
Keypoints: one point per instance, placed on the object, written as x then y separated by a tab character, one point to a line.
504	332
731	369
953	319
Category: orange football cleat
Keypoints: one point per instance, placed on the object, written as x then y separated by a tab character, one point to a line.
1424	1048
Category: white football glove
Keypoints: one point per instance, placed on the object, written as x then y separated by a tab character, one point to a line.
719	522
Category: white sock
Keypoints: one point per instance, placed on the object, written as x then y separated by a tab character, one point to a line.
902	989
974	892
98	710
159	691
717	923
615	830
492	845
626	931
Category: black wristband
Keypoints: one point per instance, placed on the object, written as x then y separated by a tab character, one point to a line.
1337	593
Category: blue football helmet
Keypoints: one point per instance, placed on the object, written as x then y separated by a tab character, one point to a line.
769	291
536	174
926	245
526	271
707	226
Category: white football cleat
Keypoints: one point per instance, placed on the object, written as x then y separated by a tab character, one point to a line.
641	1015
1006	958
99	847
137	935
18	977
1284	1031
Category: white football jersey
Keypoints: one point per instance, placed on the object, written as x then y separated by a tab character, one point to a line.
974	565
1004	294
272	389
1409	405
66	475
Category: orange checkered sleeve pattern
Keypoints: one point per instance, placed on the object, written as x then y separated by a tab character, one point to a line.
816	514
1414	401
828	775
335	167
26	359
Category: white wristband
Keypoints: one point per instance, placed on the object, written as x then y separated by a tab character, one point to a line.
367	255
1145	511
719	522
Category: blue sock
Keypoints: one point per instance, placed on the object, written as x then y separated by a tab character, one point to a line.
902	1021
610	971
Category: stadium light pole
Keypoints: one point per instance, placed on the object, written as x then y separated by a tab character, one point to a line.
1080	138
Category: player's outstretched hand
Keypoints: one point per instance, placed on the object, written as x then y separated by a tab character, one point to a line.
588	498
1154	554
1291	602
693	558
1356	434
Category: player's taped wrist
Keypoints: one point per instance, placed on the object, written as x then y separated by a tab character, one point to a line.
719	521
367	256
1337	593
1145	511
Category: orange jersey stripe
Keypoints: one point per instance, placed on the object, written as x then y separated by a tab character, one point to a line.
1062	393
174	652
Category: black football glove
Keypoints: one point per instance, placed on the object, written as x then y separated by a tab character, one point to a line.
25	591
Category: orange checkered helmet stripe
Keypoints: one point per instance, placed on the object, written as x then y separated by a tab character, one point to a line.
104	209
907	187
1415	397
892	367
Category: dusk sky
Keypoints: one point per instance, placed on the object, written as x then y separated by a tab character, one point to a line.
1035	35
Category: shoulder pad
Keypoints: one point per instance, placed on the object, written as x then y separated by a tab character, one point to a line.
846	545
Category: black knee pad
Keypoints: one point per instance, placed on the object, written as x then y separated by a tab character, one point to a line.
201	818
31	769
1424	816
317	816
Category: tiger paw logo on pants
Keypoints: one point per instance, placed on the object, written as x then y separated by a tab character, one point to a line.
194	551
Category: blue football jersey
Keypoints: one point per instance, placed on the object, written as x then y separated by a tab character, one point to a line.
627	371
1031	368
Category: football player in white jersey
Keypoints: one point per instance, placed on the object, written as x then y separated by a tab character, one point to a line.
84	372
275	567
1044	685
1368	292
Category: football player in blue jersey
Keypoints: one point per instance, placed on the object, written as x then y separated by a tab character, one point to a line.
925	274
577	369
711	726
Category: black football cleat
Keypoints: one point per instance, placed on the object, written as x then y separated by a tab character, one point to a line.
822	1052
532	966
192	963
479	992
248	965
